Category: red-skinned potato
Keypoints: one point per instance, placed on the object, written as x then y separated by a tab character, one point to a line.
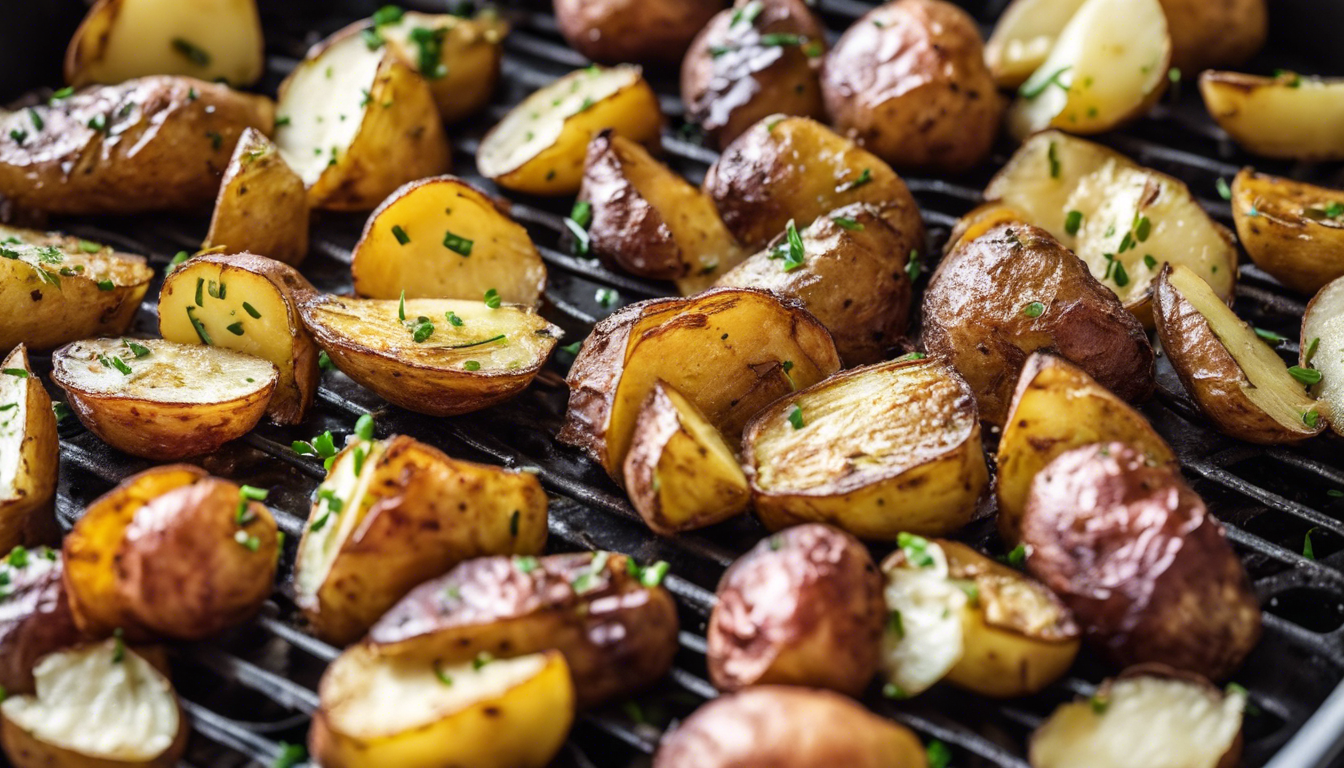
35	615
617	31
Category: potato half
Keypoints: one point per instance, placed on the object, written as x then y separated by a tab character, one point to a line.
875	451
463	76
615	31
395	512
163	400
540	146
35	617
1288	116
100	705
441	238
262	205
247	303
378	711
29	452
1322	349
730	351
1236	379
484	358
1024	36
1291	229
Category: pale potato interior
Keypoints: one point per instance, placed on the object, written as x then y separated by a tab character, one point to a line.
720	458
324	102
13	423
227	323
1325	321
170	373
62	261
140	41
318	548
90	702
927	641
1025	35
1275	117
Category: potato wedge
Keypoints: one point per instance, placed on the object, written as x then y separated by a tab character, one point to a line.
357	124
492	355
441	238
540	146
1054	175
1288	116
247	303
615	31
730	351
463	76
1322	349
262	205
378	711
876	451
1024	36
29	452
395	512
680	473
101	705
151	144
615	624
1234	377
1291	229
35	617
795	168
163	400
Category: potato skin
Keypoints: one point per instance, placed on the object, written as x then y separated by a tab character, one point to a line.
627	232
35	619
908	82
1302	252
274	220
616	31
1205	33
1140	561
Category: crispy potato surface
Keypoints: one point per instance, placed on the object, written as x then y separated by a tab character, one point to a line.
1291	229
470	51
262	205
1287	116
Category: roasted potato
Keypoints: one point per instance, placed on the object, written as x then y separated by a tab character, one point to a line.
790	728
1287	116
1291	229
680	473
1138	558
1237	380
540	146
248	303
730	351
615	31
96	706
163	400
908	82
439	357
1014	290
262	205
35	617
849	269
395	512
463	76
1322	350
1096	202
615	624
151	144
29	452
803	607
441	238
793	168
1024	36
759	58
875	451
378	711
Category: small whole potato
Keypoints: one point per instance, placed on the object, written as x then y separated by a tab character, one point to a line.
630	31
802	607
35	617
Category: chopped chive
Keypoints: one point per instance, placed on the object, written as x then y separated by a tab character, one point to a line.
795	257
324	361
400	234
847	223
1308	551
1308	376
199	326
471	365
236	329
18	373
582	213
1073	222
864	178
251	311
453	319
139	350
177	261
1311	350
401	306
913	267
1224	191
492	299
916	549
471	344
200	292
457	244
938	754
1030	90
582	242
194	53
1053	156
89	247
1149	261
1269	336
105	285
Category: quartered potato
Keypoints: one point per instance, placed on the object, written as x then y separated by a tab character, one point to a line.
35	617
247	303
1287	116
393	513
96	706
29	452
441	238
151	144
875	451
540	146
1322	350
730	351
410	712
1120	218
1236	379
458	56
262	205
1291	229
615	31
163	400
439	357
615	624
1024	36
680	473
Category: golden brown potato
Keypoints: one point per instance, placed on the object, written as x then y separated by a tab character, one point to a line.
730	351
262	205
1322	350
35	617
794	168
1286	116
996	299
803	607
1138	558
464	75
615	624
151	144
29	453
757	59
849	269
1235	378
1291	229
616	31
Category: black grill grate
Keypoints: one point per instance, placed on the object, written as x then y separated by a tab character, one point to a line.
255	688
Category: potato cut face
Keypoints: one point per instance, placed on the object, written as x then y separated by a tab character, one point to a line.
464	75
1288	116
62	258
1292	230
169	373
27	464
1024	37
923	639
342	503
1325	321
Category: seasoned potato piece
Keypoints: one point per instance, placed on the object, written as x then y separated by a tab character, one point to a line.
1138	558
680	473
463	76
441	238
1322	350
793	168
410	712
730	351
35	617
1292	230
876	451
29	453
262	205
1239	383
908	82
163	400
1287	116
615	31
1024	36
610	618
247	303
540	146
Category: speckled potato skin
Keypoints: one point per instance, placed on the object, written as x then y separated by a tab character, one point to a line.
1215	33
975	316
35	620
803	607
620	31
1301	252
1141	562
908	82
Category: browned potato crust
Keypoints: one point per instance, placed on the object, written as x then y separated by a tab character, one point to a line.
35	616
1287	228
616	31
262	205
1146	569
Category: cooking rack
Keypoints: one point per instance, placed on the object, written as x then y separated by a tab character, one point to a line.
254	689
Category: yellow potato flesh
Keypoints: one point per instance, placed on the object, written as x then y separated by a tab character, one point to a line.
1288	117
